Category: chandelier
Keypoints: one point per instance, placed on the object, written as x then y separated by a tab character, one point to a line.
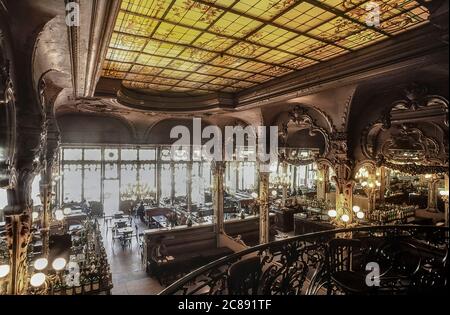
137	191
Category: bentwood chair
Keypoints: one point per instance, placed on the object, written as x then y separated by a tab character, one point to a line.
126	239
244	277
343	272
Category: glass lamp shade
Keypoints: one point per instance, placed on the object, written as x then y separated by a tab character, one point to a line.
360	215
67	211
332	213
59	215
59	264
37	279
40	264
274	193
356	209
345	218
254	195
4	270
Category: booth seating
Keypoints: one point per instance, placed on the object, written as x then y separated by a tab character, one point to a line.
248	229
284	218
193	247
190	248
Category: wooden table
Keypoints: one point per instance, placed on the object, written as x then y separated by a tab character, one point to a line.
161	220
124	230
305	226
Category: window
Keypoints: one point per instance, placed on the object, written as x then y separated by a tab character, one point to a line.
92	182
147	154
147	176
166	181
181	180
92	154
128	155
73	154
111	154
72	183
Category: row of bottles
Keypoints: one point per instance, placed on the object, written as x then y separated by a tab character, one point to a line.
391	213
88	271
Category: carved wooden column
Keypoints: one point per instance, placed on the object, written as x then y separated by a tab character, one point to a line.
446	200
218	170
284	168
158	176
264	175
382	191
343	169
18	236
322	181
172	183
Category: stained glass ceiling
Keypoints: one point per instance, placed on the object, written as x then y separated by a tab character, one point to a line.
204	46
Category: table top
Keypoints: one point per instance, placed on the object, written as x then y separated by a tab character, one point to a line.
122	220
161	220
125	230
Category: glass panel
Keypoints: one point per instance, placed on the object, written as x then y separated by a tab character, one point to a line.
147	154
198	185
72	183
73	154
111	170
147	176
282	35
92	182
111	154
128	155
92	154
111	197
128	179
247	176
166	181
181	178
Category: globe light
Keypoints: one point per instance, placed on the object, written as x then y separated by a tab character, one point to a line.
427	176
274	193
67	211
4	270
37	279
356	209
364	184
59	264
254	195
34	215
332	213
345	218
360	215
40	264
59	215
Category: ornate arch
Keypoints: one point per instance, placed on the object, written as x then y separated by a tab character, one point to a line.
301	119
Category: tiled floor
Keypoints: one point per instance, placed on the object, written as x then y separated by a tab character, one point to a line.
129	276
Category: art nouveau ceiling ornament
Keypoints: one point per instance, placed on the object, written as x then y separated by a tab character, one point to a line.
299	119
410	130
202	47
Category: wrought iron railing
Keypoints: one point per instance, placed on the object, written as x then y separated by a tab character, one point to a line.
394	259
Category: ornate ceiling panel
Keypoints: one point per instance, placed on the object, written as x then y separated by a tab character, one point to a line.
203	46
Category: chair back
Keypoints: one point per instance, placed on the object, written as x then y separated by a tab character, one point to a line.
244	277
341	253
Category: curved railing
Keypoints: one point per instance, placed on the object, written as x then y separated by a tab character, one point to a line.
410	258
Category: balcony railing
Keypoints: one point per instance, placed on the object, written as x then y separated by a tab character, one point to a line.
364	260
